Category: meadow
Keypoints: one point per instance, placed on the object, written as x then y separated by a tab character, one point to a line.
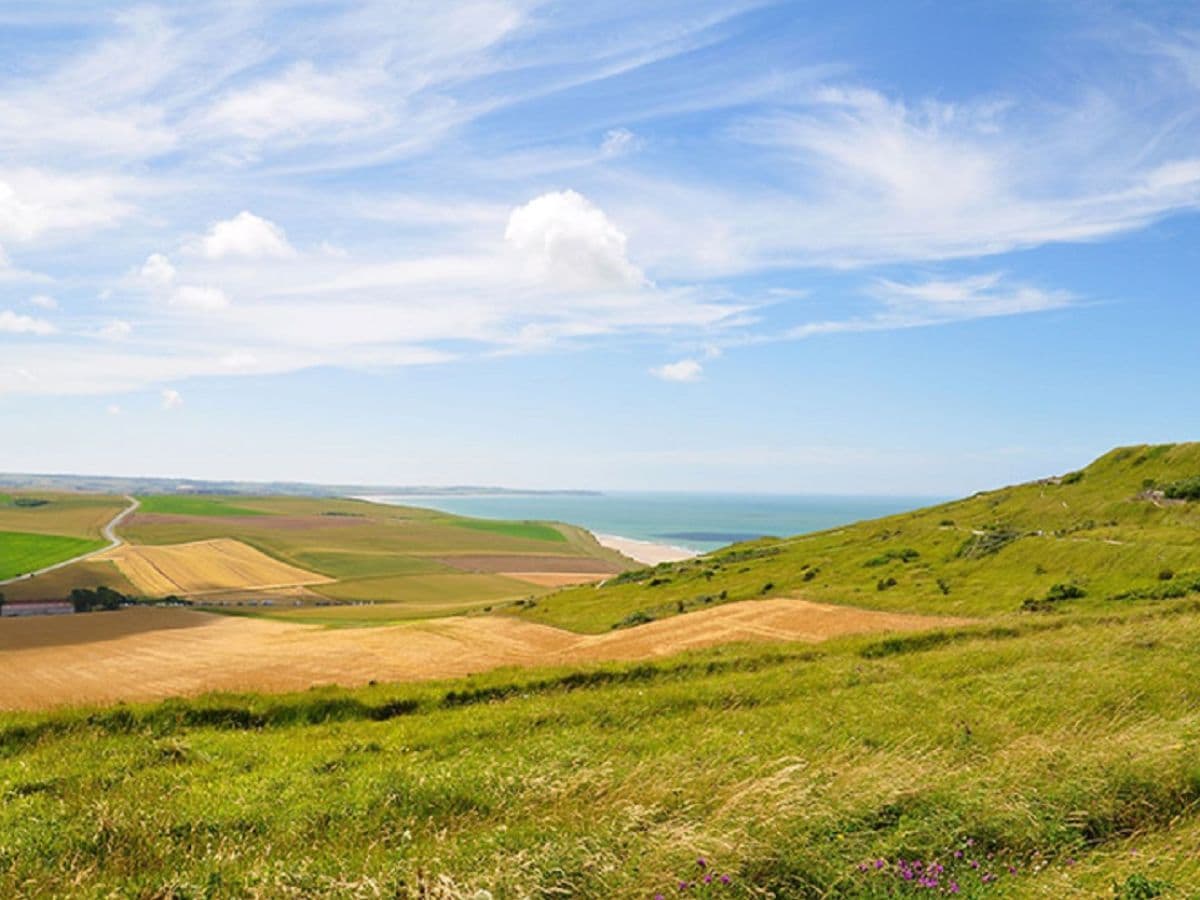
38	530
21	552
795	771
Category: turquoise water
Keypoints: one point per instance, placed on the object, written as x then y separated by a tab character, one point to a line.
695	521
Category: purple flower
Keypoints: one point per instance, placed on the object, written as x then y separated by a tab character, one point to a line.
702	862
958	854
683	885
708	878
953	887
879	864
725	879
970	842
1012	870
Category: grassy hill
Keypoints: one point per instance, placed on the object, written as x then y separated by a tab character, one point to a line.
1107	536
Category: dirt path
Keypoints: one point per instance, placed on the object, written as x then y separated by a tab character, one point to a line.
109	533
150	653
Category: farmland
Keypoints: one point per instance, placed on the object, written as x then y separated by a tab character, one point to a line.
413	563
22	552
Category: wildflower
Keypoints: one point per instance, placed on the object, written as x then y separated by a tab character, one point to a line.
708	878
970	842
1071	861
683	885
1012	870
702	862
879	864
958	854
725	879
953	887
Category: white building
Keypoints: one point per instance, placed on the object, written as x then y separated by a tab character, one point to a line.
12	609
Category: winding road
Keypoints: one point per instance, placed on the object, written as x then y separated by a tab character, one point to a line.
108	531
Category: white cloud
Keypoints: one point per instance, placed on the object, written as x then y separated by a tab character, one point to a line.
157	271
567	242
618	142
299	102
43	301
683	370
113	409
116	330
15	323
35	201
199	298
246	236
171	399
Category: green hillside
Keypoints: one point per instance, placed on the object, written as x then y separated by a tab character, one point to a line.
1119	532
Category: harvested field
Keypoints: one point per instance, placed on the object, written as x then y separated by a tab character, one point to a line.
556	579
275	522
205	567
509	563
148	653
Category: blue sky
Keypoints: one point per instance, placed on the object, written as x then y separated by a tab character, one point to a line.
790	247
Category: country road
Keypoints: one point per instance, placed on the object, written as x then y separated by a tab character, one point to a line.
110	534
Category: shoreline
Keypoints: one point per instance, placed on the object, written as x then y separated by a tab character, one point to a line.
647	553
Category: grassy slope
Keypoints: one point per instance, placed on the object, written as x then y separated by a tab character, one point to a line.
1093	532
786	767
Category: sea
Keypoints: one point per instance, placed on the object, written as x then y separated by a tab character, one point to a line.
693	521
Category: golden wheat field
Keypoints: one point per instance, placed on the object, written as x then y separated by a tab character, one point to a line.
150	653
205	567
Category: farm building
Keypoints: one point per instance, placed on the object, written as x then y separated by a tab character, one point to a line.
36	608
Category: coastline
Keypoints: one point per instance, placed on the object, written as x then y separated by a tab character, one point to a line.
646	552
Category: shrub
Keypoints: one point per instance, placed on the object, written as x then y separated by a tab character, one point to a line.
904	554
987	543
884	583
1072	478
1166	575
1187	489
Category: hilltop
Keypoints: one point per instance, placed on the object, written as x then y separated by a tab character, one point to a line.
1119	531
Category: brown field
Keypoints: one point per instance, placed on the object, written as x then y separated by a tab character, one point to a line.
506	564
556	579
149	653
215	566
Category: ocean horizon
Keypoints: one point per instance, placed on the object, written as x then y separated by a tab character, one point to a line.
699	522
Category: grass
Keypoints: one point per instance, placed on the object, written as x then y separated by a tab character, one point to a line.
534	531
984	555
176	505
785	768
21	552
73	515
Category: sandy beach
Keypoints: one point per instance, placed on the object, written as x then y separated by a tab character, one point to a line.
645	552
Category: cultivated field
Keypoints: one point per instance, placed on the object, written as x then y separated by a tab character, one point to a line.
41	529
205	567
151	653
418	562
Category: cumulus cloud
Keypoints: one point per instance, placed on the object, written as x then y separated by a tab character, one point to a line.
683	370
246	236
43	301
171	399
567	242
15	323
157	271
198	297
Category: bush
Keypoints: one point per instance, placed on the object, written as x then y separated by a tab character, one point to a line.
86	600
1072	478
987	542
1187	489
904	554
884	583
1166	575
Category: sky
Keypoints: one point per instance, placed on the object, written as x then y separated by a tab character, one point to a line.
798	247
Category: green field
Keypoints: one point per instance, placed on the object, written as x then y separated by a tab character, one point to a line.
21	552
535	531
985	555
1067	748
176	505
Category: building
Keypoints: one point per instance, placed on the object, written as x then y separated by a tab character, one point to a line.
14	608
